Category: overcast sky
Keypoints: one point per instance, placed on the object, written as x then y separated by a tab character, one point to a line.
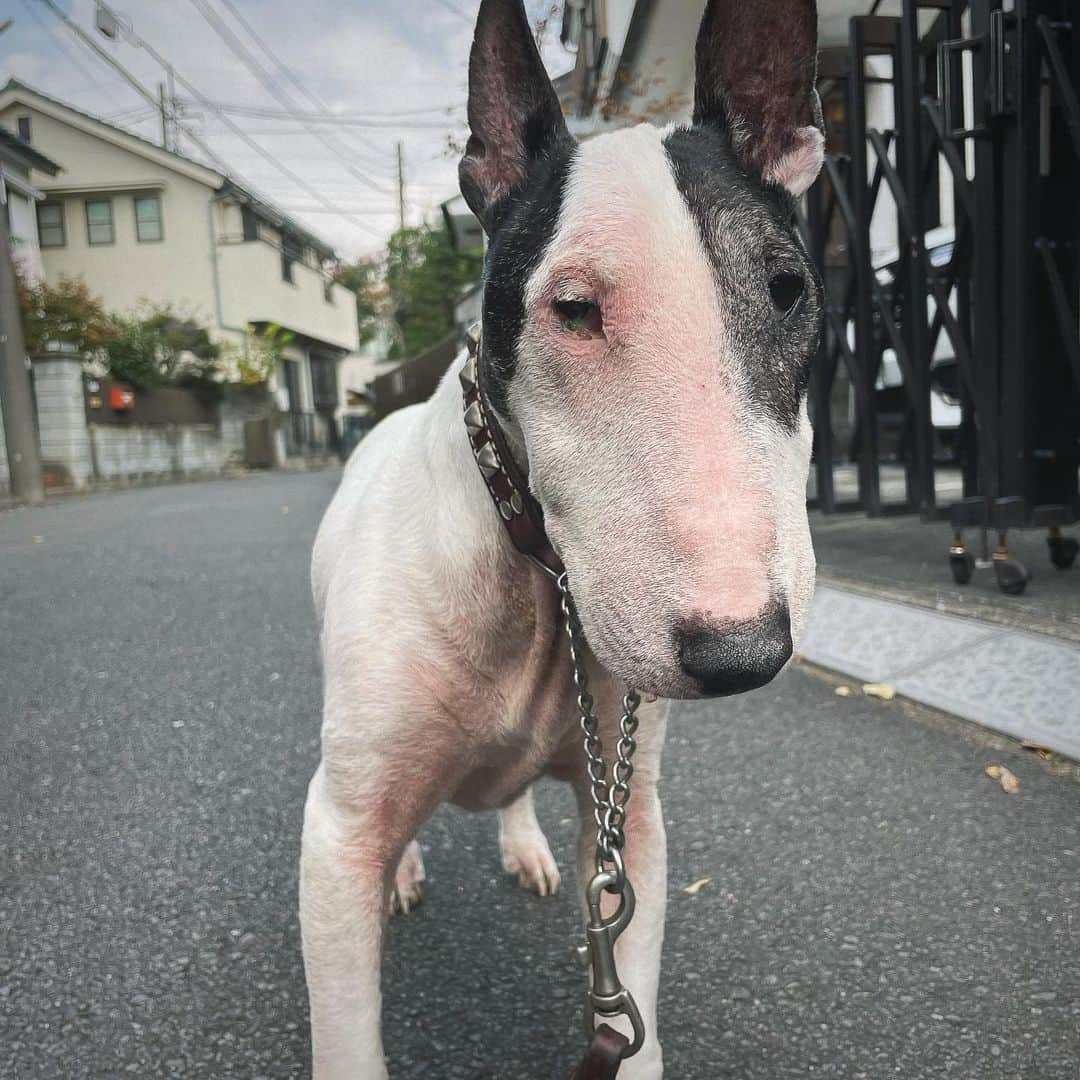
396	66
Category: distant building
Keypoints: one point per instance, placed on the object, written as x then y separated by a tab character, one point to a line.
141	224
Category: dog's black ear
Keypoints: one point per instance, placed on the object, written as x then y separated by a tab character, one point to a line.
514	115
756	68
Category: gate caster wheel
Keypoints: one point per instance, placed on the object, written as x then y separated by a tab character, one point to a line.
962	565
1012	576
1063	550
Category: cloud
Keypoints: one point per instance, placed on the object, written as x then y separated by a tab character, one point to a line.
400	60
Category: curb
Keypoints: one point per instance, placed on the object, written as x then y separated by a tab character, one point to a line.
106	487
1022	684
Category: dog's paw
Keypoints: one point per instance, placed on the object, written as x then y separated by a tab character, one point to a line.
529	859
407	891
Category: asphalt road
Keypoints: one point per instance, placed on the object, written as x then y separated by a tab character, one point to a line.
878	907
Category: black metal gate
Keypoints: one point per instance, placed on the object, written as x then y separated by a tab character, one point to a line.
982	315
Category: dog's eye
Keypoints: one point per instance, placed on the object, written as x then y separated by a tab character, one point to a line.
786	290
581	317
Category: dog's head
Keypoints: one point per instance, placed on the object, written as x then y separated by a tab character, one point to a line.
649	320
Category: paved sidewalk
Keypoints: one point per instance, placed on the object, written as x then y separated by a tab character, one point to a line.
1027	685
877	906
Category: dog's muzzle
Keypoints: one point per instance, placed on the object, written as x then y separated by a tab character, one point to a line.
737	656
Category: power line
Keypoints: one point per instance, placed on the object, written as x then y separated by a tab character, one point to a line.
61	44
286	72
130	79
252	64
261	112
239	132
366	210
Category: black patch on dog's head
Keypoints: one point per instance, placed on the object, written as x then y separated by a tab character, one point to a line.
512	174
748	234
523	223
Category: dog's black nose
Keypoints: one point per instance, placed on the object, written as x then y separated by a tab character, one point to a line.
737	656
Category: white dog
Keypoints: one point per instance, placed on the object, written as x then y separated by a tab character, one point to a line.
649	318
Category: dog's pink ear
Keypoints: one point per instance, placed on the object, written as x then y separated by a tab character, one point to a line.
514	115
756	67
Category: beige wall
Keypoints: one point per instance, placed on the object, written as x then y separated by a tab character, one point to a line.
252	290
126	274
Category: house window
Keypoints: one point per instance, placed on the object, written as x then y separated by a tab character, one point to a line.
291	252
99	221
22	124
328	290
250	223
50	224
148	218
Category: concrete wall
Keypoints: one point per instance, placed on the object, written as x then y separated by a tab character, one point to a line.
168	450
66	451
76	453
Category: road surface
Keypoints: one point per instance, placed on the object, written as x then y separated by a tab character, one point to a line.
877	906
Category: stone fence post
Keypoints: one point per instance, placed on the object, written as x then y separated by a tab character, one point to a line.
66	454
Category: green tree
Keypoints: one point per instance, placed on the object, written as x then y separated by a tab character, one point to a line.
365	279
135	355
255	360
424	277
66	313
187	354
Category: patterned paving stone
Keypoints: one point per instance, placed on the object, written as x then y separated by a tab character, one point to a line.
877	640
1018	683
1023	684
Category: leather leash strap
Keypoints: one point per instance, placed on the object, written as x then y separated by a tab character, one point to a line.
605	1054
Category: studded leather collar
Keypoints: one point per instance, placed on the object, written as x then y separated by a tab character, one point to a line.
509	489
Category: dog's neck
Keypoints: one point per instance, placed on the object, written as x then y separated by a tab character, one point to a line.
498	603
503	465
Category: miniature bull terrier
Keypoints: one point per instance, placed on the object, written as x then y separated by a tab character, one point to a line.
649	317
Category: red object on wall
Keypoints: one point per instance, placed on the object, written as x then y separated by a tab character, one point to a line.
121	398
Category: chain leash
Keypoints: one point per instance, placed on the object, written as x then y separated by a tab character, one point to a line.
607	996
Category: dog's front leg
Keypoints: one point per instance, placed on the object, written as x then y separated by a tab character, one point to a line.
637	951
526	853
350	851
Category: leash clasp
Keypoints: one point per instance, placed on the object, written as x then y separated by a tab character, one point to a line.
607	997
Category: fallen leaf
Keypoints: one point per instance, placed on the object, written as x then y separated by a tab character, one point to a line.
698	885
1008	780
879	690
843	691
1043	751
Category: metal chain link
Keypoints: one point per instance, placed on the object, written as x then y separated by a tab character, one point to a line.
609	797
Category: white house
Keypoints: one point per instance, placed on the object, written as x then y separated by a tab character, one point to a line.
145	225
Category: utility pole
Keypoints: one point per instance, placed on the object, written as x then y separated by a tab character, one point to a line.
170	83
16	396
167	107
401	184
163	106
